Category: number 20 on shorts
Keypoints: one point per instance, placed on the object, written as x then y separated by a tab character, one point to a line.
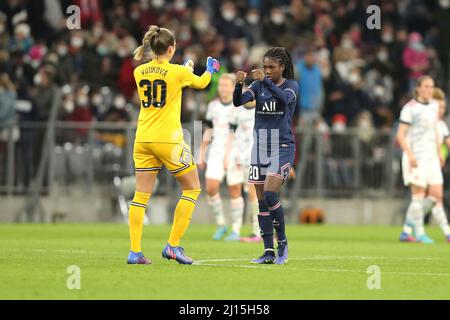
254	173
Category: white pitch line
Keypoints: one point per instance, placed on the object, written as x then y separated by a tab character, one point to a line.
390	272
207	263
196	263
420	273
220	260
329	258
65	251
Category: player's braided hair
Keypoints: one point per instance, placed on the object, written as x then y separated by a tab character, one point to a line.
282	56
156	40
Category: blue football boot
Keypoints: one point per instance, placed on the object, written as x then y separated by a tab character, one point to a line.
220	233
282	253
176	253
267	258
137	258
233	236
424	239
406	237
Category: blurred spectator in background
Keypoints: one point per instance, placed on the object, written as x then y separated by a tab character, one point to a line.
230	24
379	84
349	76
82	111
442	17
4	35
7	120
339	159
44	91
91	11
21	41
7	102
27	111
311	88
252	26
415	58
360	68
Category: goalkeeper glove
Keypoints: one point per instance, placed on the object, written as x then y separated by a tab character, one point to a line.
212	65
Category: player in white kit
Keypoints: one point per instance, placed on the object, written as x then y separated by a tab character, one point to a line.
243	142
421	162
435	205
220	162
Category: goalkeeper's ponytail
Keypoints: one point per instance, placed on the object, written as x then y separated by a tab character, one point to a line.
156	40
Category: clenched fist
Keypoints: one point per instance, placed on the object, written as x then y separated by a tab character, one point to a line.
240	77
258	74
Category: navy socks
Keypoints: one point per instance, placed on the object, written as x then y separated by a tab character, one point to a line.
276	213
265	225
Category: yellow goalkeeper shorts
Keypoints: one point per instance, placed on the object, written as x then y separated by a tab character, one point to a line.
176	157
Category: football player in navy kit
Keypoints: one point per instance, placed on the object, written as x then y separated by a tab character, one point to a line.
275	92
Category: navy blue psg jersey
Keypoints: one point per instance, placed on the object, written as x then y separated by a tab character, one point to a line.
275	106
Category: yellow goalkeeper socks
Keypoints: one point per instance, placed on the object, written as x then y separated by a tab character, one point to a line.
183	214
136	219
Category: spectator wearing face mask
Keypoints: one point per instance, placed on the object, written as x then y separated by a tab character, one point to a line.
200	20
124	61
44	90
79	57
125	82
378	82
229	24
82	113
252	26
118	112
65	66
275	27
22	40
415	59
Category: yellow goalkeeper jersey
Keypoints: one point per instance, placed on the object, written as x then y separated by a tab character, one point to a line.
160	85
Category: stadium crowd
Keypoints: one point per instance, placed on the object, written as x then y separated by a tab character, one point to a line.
350	76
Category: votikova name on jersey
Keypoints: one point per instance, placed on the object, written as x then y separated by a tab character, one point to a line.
154	69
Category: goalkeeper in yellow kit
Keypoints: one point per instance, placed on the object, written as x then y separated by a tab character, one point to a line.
159	138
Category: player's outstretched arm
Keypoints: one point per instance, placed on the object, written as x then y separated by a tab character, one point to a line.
188	79
240	98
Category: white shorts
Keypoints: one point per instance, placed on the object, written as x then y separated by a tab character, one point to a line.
245	172
215	170
427	172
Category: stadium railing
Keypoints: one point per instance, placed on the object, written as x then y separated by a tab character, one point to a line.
353	163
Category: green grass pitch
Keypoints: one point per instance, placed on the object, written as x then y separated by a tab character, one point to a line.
326	262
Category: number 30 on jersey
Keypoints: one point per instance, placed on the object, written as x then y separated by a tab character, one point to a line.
151	93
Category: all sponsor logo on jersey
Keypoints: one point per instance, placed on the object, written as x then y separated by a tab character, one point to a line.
270	107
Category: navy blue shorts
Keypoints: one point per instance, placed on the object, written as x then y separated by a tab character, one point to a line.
276	162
